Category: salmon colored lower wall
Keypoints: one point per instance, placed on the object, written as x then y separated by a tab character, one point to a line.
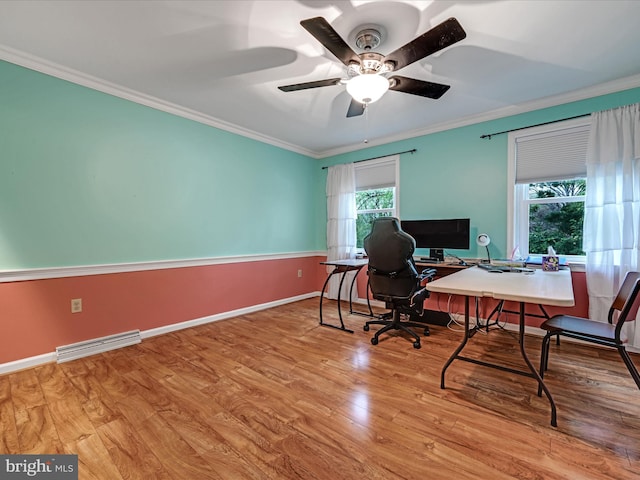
35	316
440	302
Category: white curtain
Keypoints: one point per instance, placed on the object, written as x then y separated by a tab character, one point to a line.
341	224
612	208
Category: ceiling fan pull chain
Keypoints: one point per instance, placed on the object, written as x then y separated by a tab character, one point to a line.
366	123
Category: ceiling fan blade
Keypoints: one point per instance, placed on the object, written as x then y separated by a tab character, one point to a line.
303	86
355	109
417	87
439	37
327	36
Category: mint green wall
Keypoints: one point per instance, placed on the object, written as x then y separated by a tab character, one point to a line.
456	174
87	178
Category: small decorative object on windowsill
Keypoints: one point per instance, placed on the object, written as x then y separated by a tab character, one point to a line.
550	262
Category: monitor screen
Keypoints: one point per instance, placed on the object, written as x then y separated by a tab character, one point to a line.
442	234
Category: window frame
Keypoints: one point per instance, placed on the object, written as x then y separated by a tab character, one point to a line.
518	200
395	159
523	202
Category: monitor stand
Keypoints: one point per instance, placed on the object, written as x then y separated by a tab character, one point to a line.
436	254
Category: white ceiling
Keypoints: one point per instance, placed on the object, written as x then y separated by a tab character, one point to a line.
220	62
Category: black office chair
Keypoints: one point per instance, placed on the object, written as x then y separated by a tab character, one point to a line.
600	333
393	278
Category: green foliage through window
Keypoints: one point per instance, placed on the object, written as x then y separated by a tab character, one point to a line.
370	205
557	224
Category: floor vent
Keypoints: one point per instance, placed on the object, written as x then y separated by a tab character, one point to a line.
98	345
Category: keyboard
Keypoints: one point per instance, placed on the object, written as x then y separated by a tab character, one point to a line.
503	268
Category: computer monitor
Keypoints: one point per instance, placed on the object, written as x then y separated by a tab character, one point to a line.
438	235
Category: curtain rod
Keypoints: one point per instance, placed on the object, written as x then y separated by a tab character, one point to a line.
489	135
412	151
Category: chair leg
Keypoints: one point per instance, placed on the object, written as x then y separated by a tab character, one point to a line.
544	358
382	319
547	345
375	322
630	366
404	328
424	327
384	329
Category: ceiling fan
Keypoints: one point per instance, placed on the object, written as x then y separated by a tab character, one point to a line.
369	72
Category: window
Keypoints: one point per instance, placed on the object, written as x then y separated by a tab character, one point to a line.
371	204
553	213
548	171
376	193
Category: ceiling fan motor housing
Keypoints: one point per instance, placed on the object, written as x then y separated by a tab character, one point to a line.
368	39
371	62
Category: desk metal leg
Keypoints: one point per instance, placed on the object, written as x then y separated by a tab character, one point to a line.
351	310
324	287
461	346
534	372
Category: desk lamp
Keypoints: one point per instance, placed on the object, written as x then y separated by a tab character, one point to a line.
483	240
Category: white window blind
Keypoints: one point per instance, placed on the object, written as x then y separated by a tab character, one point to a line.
553	155
378	173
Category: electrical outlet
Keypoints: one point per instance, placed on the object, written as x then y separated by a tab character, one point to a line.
76	305
299	273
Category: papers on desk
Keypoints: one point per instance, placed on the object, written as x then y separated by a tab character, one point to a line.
504	268
505	262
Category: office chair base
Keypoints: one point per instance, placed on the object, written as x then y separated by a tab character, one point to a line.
395	324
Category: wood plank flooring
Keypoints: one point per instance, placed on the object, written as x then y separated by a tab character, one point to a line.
273	395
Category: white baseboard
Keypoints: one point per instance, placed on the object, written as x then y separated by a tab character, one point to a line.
29	362
52	357
223	316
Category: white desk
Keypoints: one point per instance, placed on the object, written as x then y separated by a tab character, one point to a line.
542	288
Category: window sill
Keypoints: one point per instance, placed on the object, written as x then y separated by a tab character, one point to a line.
577	267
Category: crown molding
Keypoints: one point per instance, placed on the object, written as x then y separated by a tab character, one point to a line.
547	102
41	65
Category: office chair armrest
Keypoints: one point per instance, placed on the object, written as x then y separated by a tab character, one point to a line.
427	274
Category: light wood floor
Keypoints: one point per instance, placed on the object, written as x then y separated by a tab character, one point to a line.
273	395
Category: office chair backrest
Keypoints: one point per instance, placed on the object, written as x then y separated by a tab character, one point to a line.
392	272
625	301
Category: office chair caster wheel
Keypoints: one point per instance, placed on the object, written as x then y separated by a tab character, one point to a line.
426	332
366	327
416	344
374	341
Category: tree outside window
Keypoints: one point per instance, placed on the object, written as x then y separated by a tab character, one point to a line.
556	215
371	204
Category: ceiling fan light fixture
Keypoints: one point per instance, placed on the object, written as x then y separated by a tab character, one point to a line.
367	88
